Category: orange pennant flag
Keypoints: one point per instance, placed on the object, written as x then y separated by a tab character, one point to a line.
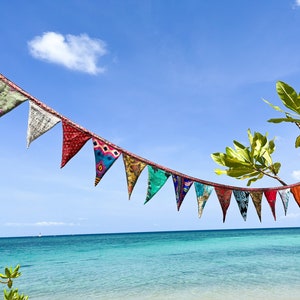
296	193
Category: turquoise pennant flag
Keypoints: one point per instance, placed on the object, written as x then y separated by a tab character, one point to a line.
156	179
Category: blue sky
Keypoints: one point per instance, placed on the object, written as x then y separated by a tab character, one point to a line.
171	81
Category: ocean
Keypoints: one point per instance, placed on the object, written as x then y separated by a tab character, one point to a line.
214	264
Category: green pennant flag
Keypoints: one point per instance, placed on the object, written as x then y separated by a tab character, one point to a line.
9	98
156	179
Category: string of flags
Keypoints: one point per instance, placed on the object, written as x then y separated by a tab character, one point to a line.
42	118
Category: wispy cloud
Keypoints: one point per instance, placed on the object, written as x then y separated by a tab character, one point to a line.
42	223
296	4
78	53
296	174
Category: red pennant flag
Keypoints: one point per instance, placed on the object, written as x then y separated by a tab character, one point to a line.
296	193
271	198
73	141
224	196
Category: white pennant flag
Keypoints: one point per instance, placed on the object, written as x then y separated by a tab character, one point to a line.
39	122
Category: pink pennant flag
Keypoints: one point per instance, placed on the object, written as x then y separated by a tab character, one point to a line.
105	156
73	141
39	122
271	198
224	196
182	186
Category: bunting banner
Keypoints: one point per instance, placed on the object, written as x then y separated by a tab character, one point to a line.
133	169
182	186
39	122
256	199
242	199
42	118
271	198
105	156
156	179
296	193
9	98
285	195
224	196
73	140
203	192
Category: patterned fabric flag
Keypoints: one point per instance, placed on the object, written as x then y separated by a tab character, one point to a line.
285	195
202	192
73	141
39	122
242	199
296	193
105	156
156	179
224	196
9	98
256	199
133	169
182	186
271	198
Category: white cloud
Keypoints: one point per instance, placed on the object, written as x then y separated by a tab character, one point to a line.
297	2
78	53
42	223
296	174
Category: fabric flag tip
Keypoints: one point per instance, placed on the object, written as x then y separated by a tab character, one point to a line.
73	140
105	156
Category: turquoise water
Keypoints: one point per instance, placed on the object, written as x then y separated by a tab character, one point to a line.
225	264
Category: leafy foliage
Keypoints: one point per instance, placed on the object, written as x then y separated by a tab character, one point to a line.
7	278
290	100
252	162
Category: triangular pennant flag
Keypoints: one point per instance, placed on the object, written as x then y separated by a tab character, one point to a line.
105	156
256	199
9	98
271	198
73	141
242	199
224	196
182	186
203	192
296	193
133	169
39	122
156	180
285	195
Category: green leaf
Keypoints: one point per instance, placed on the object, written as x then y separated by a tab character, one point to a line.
280	120
239	145
9	283
297	143
274	106
288	96
220	172
8	272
